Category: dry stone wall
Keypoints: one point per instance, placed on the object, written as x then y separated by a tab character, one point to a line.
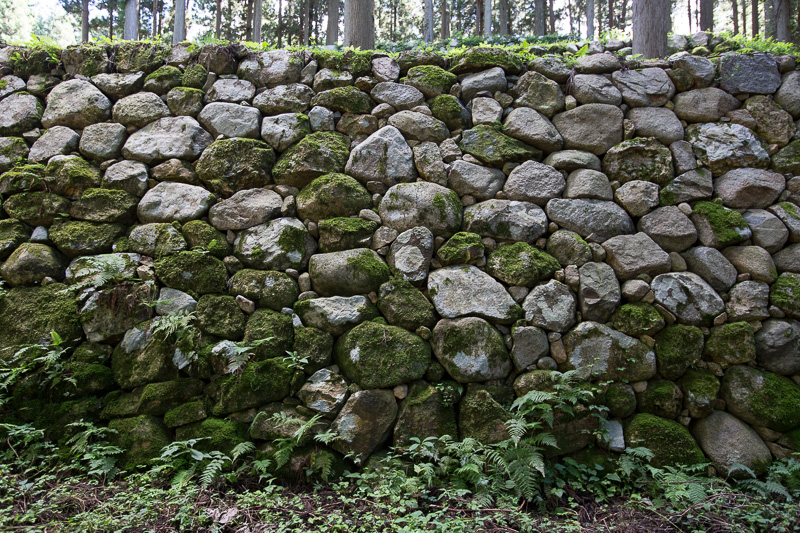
430	237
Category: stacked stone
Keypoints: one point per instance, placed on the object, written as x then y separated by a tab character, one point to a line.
429	239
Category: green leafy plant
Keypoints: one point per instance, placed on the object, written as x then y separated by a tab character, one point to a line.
90	446
46	360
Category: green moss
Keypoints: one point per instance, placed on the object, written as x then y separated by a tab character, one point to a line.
220	316
678	347
790	209
620	400
314	155
186	413
369	266
141	437
314	345
342	233
36	208
268	324
192	271
482	58
259	383
787	160
24	178
158	398
357	62
431	80
724	222
785	294
700	389
292	240
203	236
731	344
376	356
332	195
770	400
347	99
670	442
231	165
217	434
271	289
521	264
167	75
89	379
133	56
78	237
661	398
462	248
70	176
91	352
105	205
446	107
494	148
637	319
194	76
481	417
404	305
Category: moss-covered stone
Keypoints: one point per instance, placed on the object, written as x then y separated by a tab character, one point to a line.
157	239
541	380
521	264
142	358
70	176
620	400
332	195
88	59
320	153
670	442
202	235
105	205
13	152
270	289
267	426
677	348
428	411
728	226
25	178
344	99
141	437
639	159
731	344
357	271
36	208
259	383
193	272
133	56
36	59
449	110
158	398
787	160
431	80
494	148
231	165
194	76
29	315
92	352
220	316
357	62
761	398
31	263
84	379
484	57
463	248
637	319
185	101
342	233
77	237
404	305
377	356
785	294
661	398
163	79
55	418
700	389
216	434
267	324
314	345
482	418
194	411
471	350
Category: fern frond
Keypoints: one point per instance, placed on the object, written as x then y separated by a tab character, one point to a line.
242	449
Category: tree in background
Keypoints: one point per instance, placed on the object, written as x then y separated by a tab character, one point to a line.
651	24
359	25
131	25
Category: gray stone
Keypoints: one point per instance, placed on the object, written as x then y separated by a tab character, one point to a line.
324	392
788	95
637	197
787	212
167	138
385	157
245	209
569	248
408	205
336	314
12	150
749	300
419	127
429	163
639	159
597	62
102	142
282	131
658	122
585	183
410	254
599	292
778	346
272	68
595	89
550	306
464	290
291	98
599	352
19	113
58	140
597	219
649	87
704	105
592	127
788	259
536	91
231	90
156	240
712	266
670	228
172	301
479	182
30	263
486	111
364	423
533	128
129	176
569	160
633	255
277	245
749	188
397	95
167	202
534	182
701	69
75	104
119	85
688	187
749	73
530	345
139	110
385	69
727	441
470	350
767	229
231	120
506	220
724	147
10	85
687	296
492	80
682	157
327	79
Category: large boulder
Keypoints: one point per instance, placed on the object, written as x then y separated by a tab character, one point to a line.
337	314
533	128
658	122
167	138
346	273
364	423
494	148
670	442
534	182
648	87
272	68
330	196
599	352
76	104
231	165
761	398
639	159
599	292
537	91
384	156
19	113
409	205
465	290
687	296
139	110
245	209
598	219
749	73
31	263
410	254
749	188
704	105
550	306
277	245
591	127
231	120
723	147
316	154
167	202
778	346
728	441
506	220
470	350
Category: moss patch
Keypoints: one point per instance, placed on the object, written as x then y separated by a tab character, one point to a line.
404	305
344	99
728	225
731	344
678	347
193	272
259	383
217	434
637	319
494	148
202	235
231	165
785	294
332	195
220	316
141	437
462	248
521	264
267	324
194	76
670	442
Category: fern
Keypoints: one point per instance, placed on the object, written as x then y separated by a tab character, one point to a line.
99	271
213	469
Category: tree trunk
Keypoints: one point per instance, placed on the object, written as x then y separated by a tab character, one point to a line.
332	35
179	33
623	23
248	20
84	21
689	7
744	16
706	15
538	18
445	15
229	26
112	6
651	24
503	17
780	14
735	8
590	19
611	24
130	30
218	21
478	17
155	18
280	23
257	20
552	15
571	19
427	22
754	25
359	26
487	18
306	21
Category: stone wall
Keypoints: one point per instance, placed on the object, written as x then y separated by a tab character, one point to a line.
403	246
